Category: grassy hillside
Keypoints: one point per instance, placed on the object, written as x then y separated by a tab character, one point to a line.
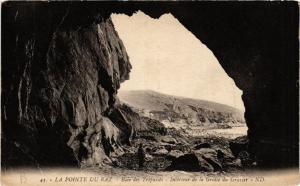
164	106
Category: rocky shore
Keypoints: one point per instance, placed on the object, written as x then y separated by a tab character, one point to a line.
168	149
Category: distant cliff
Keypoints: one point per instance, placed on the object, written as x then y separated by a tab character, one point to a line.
177	109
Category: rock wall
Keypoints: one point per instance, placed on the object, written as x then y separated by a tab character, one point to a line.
56	102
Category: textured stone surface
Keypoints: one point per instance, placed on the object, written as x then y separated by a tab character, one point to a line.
239	144
64	95
194	162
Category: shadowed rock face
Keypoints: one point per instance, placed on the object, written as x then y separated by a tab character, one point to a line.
256	44
56	106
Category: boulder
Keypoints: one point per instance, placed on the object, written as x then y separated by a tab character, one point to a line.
205	165
173	154
239	144
211	157
187	162
168	139
195	162
225	154
154	126
214	162
202	145
235	163
206	151
160	152
148	157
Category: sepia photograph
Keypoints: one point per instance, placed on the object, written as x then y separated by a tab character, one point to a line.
149	93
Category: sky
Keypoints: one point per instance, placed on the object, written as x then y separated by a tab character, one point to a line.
167	58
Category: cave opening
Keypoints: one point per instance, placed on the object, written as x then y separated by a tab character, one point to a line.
176	79
252	59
